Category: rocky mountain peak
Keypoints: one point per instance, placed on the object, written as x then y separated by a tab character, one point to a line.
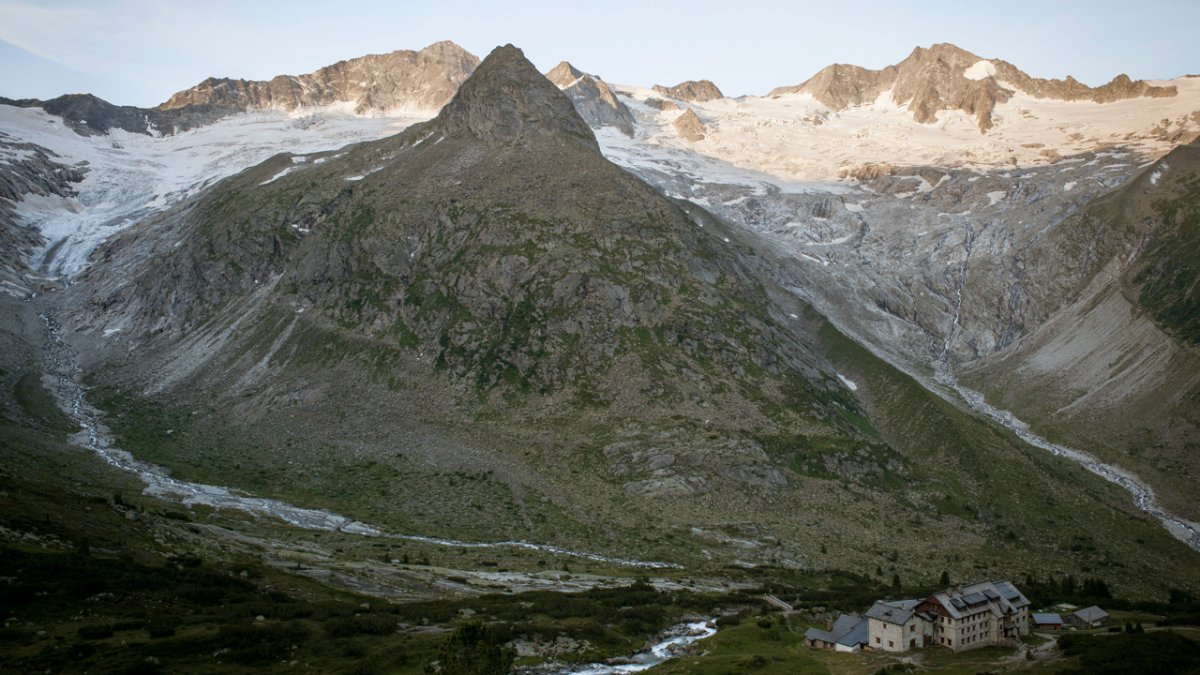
506	99
595	101
946	77
943	51
446	50
698	91
422	80
564	74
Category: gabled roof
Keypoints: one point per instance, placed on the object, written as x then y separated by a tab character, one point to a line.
1011	594
1047	618
997	597
894	611
816	634
848	630
1092	613
856	634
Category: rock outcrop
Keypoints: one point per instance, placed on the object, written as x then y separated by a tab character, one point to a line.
661	103
377	83
697	91
26	169
595	101
689	126
945	77
90	115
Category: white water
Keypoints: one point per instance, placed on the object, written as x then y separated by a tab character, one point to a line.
1143	496
681	636
61	363
944	385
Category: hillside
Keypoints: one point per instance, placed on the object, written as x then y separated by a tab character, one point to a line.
481	328
1114	366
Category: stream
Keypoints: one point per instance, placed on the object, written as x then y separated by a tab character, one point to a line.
1185	530
62	364
677	638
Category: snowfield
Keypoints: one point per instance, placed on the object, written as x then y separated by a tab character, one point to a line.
794	138
130	176
786	144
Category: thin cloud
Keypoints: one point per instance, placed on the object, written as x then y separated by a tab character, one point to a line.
58	34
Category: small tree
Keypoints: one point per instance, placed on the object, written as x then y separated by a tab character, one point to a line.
472	650
945	578
895	581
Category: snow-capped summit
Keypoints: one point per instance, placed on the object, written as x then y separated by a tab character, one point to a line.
945	77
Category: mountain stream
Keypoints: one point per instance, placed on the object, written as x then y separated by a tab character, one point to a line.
676	639
1185	530
62	364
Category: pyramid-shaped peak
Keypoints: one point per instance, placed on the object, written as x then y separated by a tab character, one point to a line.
564	74
444	47
506	99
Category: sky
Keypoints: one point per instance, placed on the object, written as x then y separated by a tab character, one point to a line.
139	52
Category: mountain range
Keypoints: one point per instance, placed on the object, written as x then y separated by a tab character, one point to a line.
832	328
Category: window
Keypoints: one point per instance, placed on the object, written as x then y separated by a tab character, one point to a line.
891	644
876	639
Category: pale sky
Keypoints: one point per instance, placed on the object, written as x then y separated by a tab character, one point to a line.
139	52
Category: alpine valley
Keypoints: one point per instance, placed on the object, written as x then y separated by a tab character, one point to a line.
305	373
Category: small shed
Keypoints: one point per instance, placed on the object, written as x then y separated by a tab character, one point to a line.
1088	617
847	634
1050	621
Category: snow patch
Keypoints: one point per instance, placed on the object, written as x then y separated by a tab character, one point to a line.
995	197
832	242
1070	185
853	208
850	384
279	175
980	70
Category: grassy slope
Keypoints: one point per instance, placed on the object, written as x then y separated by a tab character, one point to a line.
1150	426
1010	509
102	579
1034	512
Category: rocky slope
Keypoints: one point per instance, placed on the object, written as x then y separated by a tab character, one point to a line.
377	83
698	91
492	252
594	100
945	77
1061	292
27	171
89	115
404	81
1114	365
481	327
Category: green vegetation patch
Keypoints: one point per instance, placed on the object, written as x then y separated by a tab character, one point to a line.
1132	653
40	405
1169	271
